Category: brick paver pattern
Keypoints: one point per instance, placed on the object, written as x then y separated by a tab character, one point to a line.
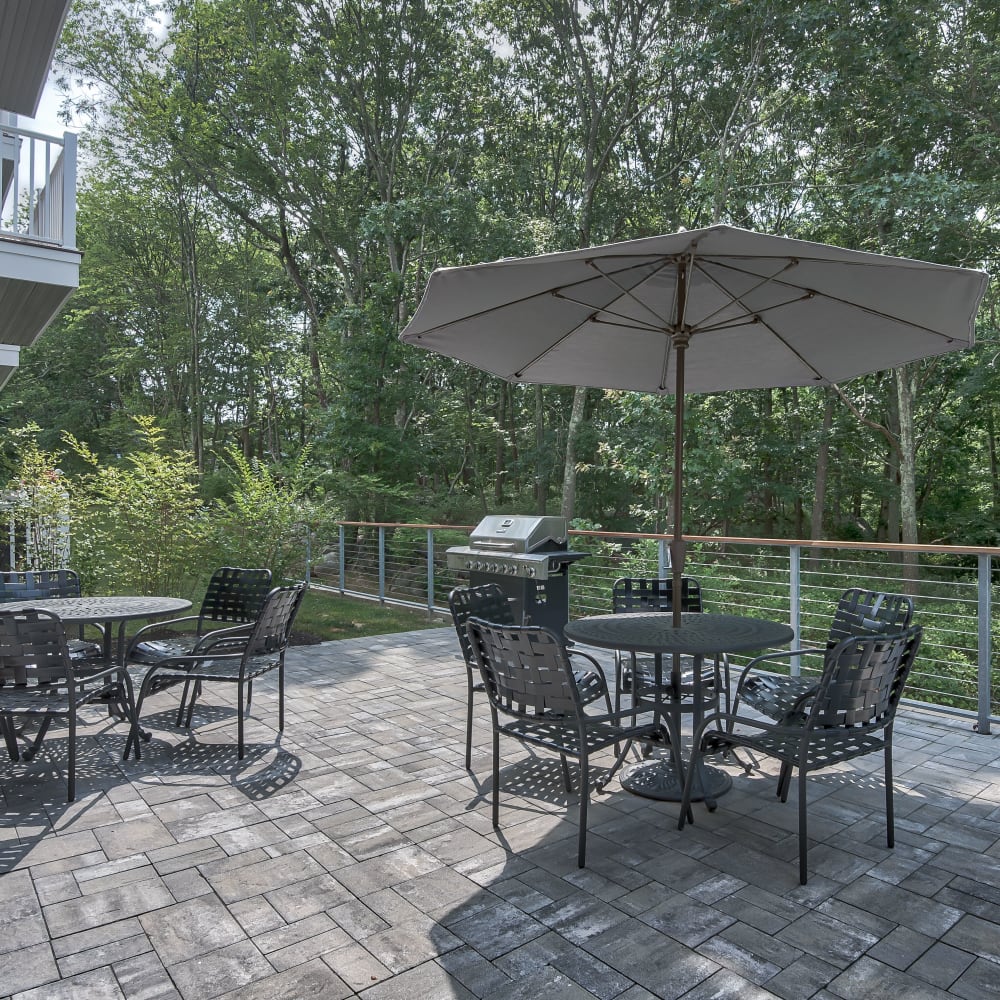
355	856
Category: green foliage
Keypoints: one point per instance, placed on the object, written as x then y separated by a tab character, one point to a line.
140	527
36	500
267	516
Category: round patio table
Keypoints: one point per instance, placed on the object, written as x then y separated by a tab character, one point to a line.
104	611
700	634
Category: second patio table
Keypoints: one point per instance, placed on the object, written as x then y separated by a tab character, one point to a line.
701	634
106	612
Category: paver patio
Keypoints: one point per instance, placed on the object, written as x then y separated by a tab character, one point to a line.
356	856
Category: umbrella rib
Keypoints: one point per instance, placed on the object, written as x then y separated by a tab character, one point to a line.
825	295
765	279
637	262
628	291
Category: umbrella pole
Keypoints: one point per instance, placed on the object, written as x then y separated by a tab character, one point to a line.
677	546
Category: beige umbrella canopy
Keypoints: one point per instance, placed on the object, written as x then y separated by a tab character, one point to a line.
696	311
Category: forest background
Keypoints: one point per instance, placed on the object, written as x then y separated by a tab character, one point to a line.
267	184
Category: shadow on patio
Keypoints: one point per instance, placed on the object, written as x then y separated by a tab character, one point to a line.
355	855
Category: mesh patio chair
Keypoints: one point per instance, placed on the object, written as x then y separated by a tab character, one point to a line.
40	682
532	686
233	659
630	595
489	603
32	584
232	601
849	714
858	613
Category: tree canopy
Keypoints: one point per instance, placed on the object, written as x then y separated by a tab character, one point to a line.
268	185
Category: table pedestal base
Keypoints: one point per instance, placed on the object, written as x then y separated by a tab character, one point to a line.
657	779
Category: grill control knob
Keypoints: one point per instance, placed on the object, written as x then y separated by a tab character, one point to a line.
530	571
469	564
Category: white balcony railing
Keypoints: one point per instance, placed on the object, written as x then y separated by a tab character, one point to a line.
37	185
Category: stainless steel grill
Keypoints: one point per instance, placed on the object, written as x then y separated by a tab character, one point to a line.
528	557
532	548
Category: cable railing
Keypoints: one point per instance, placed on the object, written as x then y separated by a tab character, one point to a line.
798	582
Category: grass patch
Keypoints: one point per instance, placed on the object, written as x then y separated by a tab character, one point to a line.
324	616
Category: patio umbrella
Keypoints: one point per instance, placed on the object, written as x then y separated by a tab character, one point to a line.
696	311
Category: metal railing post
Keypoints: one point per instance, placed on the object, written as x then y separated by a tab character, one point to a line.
342	566
430	569
381	563
795	602
663	559
985	643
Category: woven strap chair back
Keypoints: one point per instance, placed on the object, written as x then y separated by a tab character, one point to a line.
863	680
869	612
274	624
525	669
650	594
32	649
27	585
234	595
487	601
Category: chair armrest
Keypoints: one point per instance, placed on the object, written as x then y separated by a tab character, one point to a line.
233	633
587	656
138	637
767	657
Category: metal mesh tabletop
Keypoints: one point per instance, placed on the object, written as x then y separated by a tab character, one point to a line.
103	609
701	634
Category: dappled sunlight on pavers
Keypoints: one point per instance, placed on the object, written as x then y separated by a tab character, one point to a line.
354	855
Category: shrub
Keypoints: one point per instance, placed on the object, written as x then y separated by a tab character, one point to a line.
141	527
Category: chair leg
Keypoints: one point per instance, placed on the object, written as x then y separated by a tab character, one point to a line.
566	778
468	726
179	721
135	733
281	695
239	718
36	744
784	780
621	752
125	683
803	840
10	737
581	853
195	695
619	672
890	821
71	778
496	775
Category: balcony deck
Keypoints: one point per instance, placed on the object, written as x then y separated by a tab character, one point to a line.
357	857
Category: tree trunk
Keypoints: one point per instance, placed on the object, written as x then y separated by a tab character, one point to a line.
541	484
819	486
569	468
905	388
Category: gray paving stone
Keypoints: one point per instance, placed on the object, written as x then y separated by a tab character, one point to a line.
97	985
219	972
875	981
271	901
106	907
192	928
979	982
310	979
981	937
28	967
941	965
145	978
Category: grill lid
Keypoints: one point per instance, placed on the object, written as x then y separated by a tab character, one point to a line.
519	533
